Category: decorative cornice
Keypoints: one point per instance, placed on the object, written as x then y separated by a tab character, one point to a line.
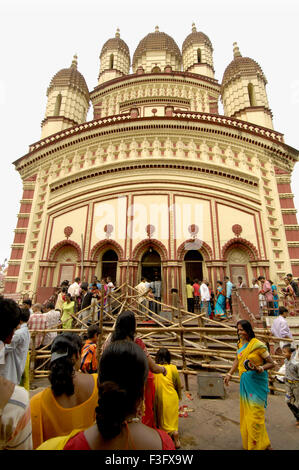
212	124
172	76
145	166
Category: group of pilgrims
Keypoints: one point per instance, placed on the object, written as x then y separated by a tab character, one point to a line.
120	397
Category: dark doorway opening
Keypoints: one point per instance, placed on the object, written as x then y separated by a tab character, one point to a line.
109	265
150	265
193	264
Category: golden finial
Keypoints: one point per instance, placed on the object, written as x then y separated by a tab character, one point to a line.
117	35
237	52
157	29
194	28
75	61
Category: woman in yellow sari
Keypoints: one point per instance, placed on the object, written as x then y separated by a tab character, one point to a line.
168	394
71	400
253	360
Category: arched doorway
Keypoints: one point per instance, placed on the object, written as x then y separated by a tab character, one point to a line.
109	264
66	259
150	264
193	265
238	263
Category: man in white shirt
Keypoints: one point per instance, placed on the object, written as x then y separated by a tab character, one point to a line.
16	351
74	289
205	297
142	290
15	418
280	327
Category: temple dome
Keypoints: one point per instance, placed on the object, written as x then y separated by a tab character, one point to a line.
157	41
240	67
70	77
196	37
115	44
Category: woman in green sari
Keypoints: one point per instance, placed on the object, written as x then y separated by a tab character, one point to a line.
253	360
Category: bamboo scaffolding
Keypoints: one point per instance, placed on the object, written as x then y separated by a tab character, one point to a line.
198	351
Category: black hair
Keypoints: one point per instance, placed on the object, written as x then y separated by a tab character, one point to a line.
27	302
289	347
196	281
220	282
77	279
174	291
289	275
62	369
246	325
10	314
125	326
25	315
50	305
282	310
92	330
260	278
67	294
84	286
163	356
123	370
94	284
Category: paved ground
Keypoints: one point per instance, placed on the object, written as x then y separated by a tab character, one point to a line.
214	424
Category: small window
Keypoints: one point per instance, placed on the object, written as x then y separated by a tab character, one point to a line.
111	61
57	105
198	56
251	95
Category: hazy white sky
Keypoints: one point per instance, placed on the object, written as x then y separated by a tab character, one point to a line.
38	38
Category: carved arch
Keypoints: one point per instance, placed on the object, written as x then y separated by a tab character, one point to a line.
204	248
243	245
107	244
156	244
63	243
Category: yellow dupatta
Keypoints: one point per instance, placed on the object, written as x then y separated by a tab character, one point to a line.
252	352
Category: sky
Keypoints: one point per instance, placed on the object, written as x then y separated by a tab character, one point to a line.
39	38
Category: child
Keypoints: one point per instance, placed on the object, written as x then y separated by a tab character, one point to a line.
89	363
292	379
168	394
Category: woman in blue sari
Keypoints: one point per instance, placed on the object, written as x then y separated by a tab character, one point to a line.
253	360
220	307
275	298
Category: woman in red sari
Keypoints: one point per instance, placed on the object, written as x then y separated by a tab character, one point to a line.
289	297
125	329
122	374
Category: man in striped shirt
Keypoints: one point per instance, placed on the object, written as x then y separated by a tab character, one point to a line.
15	419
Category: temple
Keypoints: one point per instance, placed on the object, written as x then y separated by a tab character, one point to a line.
158	181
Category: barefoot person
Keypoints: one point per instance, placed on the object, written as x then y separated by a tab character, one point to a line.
168	394
253	361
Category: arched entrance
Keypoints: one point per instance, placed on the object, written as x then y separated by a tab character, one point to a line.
150	264
193	265
66	259
109	264
238	264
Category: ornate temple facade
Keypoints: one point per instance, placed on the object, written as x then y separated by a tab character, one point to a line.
158	180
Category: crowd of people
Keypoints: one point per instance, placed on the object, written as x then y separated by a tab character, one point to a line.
218	304
120	397
117	403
